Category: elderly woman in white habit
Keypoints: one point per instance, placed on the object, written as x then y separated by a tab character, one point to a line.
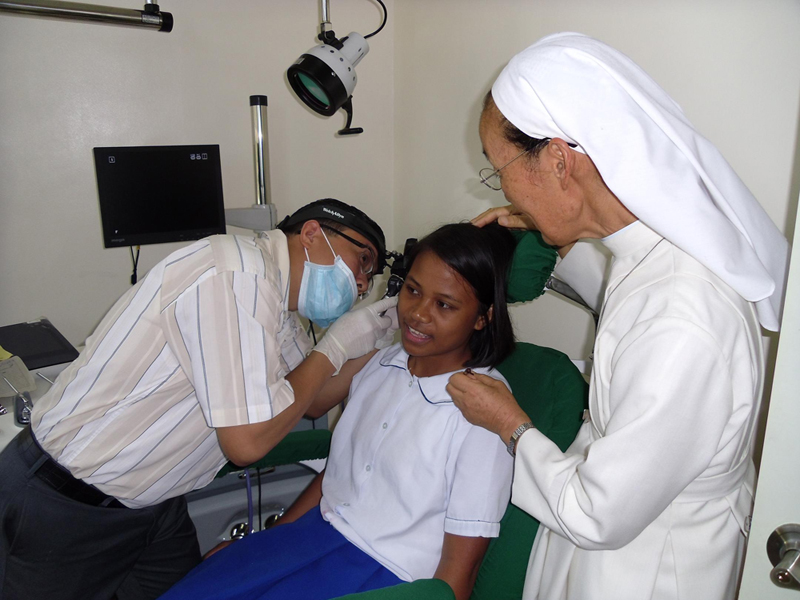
652	498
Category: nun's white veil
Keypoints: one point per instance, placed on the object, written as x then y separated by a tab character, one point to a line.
576	88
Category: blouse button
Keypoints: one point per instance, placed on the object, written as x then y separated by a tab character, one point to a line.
385	425
369	468
410	383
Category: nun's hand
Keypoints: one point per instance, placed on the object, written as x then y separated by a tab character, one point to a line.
486	402
507	216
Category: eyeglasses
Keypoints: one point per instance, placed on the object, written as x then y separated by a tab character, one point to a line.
366	258
491	178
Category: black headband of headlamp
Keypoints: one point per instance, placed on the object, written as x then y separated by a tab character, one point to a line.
349	216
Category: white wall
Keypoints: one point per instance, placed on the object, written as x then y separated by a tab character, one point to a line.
732	65
66	87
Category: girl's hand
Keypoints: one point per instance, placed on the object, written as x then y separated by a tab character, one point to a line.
486	402
507	216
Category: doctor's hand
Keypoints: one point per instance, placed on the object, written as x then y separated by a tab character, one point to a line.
507	216
486	402
358	332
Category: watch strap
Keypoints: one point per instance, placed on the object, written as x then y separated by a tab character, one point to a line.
512	443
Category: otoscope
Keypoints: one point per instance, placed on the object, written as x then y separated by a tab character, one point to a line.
399	268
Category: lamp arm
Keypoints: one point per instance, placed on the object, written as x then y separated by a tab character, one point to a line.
326	33
325	10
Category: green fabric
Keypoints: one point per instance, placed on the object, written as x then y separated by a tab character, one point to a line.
531	267
296	446
553	393
422	589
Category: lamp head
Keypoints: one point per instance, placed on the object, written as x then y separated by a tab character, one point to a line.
324	77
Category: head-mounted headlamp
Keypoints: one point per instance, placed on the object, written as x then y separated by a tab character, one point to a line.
346	215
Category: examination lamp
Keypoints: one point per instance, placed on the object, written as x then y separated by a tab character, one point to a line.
324	77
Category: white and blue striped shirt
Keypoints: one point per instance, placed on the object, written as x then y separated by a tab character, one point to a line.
205	340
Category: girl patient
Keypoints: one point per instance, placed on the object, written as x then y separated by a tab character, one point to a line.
411	490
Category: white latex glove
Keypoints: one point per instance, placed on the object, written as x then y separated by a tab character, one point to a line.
388	338
358	332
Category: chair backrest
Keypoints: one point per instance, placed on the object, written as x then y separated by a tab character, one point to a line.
552	391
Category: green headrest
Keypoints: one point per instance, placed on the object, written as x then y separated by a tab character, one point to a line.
531	267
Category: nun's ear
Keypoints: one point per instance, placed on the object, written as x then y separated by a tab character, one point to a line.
563	158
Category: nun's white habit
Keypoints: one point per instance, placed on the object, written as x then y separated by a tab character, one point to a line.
652	498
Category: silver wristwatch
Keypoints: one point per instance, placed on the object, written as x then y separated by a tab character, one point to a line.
512	443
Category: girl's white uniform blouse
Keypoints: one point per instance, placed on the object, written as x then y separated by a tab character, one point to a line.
652	498
405	467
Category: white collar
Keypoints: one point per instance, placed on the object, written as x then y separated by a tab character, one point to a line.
431	388
631	238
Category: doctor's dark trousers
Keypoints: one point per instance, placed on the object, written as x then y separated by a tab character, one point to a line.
53	547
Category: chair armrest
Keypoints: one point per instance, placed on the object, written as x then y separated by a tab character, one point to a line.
296	446
421	589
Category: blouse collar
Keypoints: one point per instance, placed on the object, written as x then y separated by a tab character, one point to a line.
431	388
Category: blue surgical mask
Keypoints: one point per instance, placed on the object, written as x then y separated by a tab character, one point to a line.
326	291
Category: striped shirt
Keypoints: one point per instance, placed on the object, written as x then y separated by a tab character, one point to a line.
205	340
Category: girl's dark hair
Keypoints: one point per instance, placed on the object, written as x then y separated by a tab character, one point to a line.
482	256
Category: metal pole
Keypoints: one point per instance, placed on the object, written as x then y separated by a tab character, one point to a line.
258	113
325	8
263	215
79	11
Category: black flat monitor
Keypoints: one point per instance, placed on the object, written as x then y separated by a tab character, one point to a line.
157	194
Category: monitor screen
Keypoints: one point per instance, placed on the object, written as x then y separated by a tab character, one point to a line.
156	194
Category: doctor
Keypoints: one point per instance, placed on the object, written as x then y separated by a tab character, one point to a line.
652	499
202	362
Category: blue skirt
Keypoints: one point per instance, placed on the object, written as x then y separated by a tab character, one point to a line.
304	560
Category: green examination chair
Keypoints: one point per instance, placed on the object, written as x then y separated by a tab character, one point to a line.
548	387
296	446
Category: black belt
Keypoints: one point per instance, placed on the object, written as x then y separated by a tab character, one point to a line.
57	477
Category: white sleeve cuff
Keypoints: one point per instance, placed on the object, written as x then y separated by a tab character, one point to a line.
484	529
